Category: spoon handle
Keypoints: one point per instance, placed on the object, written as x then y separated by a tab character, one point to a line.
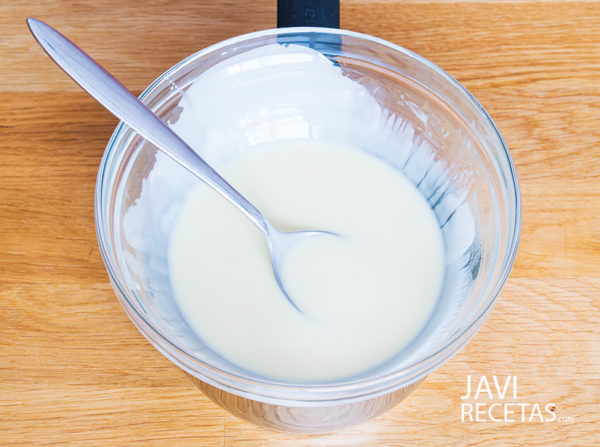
113	95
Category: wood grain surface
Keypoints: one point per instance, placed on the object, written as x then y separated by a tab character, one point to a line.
75	371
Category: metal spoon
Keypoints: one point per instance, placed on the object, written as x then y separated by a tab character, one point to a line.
113	95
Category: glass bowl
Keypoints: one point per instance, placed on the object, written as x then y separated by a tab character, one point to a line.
424	123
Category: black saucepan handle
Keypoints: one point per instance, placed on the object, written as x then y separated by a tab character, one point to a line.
323	13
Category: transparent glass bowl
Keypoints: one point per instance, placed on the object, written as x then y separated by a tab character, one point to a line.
455	156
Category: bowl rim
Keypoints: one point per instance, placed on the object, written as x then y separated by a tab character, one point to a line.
297	394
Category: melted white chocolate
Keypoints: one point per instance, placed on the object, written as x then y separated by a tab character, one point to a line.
364	295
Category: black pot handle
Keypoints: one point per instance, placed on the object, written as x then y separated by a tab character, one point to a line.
323	13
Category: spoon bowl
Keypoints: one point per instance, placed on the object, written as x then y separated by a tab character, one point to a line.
280	243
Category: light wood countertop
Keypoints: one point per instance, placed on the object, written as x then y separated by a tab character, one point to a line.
75	371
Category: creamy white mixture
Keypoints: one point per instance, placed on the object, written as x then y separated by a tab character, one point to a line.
363	295
286	140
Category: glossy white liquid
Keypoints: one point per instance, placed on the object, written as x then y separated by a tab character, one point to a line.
364	296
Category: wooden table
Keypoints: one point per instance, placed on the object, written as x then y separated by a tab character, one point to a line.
74	370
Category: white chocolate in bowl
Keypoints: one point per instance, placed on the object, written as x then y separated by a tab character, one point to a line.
259	98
